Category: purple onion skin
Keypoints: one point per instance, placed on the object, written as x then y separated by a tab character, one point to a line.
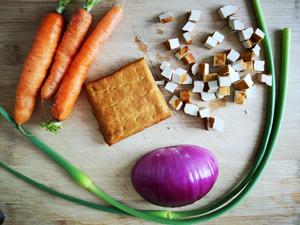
175	176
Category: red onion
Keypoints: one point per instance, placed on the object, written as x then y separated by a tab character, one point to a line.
175	176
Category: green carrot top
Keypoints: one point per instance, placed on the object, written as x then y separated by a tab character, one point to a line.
61	5
89	4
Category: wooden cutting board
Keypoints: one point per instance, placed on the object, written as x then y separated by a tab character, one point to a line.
275	199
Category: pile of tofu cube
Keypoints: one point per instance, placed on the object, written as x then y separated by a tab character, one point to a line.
233	70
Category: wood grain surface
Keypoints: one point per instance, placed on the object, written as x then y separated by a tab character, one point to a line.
276	197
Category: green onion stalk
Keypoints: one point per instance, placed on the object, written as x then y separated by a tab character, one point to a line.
274	120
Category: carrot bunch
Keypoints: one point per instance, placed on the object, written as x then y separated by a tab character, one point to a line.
71	59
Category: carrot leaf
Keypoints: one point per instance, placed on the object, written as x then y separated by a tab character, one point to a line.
61	5
89	4
52	126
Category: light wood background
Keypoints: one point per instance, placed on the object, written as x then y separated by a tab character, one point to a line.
276	197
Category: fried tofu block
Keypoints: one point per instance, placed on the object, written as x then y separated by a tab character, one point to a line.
127	102
210	77
249	66
210	42
248	44
240	97
203	69
258	35
187	38
233	56
185	96
247	55
176	103
166	17
189	59
220	59
227	11
182	52
224	91
225	70
172	43
245	83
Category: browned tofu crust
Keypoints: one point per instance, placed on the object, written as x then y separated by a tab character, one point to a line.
127	102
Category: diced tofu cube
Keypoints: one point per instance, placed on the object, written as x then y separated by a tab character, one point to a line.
243	73
248	44
218	37
166	17
225	70
204	112
195	69
246	34
187	38
238	66
224	81
227	11
195	15
188	80
214	124
188	59
182	52
173	43
176	103
247	55
206	96
259	65
179	76
185	96
171	86
249	66
203	69
236	24
264	78
220	59
191	109
233	56
240	97
234	76
245	83
198	87
210	77
167	72
164	64
258	35
213	86
210	42
189	26
224	91
160	82
256	50
219	96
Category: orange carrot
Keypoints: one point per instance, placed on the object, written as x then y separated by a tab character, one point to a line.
67	50
36	65
38	62
76	74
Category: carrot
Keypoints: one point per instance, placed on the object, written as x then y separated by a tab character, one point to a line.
76	74
37	63
68	48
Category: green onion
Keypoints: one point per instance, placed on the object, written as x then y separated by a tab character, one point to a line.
199	215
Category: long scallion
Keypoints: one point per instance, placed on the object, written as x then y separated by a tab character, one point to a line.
198	215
